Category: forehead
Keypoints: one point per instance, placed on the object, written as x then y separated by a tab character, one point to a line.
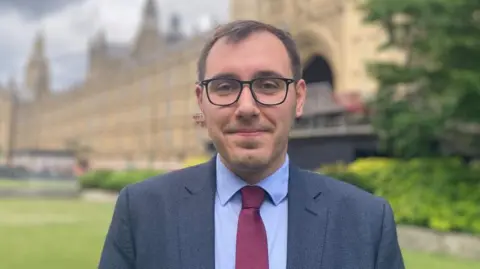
259	52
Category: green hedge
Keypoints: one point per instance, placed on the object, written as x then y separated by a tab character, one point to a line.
114	180
442	194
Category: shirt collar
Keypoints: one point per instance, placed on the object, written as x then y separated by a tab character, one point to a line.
228	184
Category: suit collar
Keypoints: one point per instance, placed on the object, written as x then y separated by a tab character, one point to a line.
204	179
196	218
308	214
228	184
306	189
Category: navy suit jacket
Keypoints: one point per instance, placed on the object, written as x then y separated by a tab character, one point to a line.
167	222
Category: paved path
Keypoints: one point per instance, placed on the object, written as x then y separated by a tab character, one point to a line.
99	196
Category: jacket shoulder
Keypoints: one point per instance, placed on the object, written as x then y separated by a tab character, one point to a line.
344	191
169	182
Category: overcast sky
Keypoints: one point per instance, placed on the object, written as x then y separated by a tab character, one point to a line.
68	25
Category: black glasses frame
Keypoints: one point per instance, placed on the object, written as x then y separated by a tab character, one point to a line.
287	81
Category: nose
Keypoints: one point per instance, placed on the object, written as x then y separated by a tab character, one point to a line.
246	105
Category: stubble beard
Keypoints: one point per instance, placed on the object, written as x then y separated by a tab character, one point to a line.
252	158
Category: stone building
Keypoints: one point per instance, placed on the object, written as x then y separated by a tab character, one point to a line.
6	124
137	101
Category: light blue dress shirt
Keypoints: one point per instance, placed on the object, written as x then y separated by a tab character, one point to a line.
274	212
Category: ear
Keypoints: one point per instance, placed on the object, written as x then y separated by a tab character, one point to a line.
199	94
301	94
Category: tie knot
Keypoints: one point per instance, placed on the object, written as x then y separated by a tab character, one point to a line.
252	197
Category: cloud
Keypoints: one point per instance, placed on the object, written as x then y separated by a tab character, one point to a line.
68	29
14	46
34	9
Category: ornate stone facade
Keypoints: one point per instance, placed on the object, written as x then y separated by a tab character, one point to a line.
137	102
6	110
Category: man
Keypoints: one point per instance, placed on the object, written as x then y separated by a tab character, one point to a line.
249	208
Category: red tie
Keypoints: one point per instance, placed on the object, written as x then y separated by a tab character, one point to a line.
252	247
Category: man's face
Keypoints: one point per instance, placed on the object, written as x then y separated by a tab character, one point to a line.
249	135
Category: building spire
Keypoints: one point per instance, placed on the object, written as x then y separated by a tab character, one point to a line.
12	84
99	39
150	15
38	50
149	41
37	75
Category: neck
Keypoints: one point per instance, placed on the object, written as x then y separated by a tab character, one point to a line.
254	176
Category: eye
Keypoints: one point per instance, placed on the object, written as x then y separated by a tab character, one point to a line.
224	86
269	84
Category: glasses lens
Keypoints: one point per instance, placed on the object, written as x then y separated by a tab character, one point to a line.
269	91
223	91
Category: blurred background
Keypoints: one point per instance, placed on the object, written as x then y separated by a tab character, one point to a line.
98	94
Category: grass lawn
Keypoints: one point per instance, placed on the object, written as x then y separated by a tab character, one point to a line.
415	260
60	234
37	184
52	234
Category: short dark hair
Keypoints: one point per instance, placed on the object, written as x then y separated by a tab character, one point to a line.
239	30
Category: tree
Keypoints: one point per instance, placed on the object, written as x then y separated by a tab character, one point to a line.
429	104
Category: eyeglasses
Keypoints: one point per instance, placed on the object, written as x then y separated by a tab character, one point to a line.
266	91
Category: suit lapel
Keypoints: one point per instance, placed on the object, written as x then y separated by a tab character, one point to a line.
307	220
196	219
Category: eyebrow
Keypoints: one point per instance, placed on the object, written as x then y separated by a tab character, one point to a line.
259	74
268	74
225	75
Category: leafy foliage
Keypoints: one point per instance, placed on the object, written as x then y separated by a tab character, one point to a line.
439	193
114	180
428	104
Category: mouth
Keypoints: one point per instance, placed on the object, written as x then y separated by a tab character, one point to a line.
248	133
